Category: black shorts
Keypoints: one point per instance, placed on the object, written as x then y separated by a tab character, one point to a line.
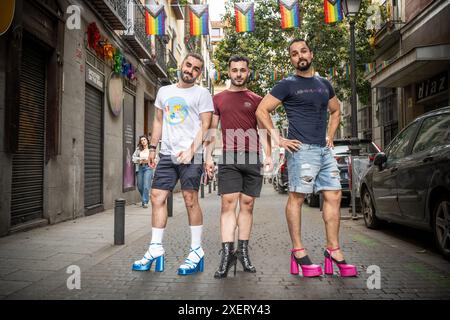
240	176
168	172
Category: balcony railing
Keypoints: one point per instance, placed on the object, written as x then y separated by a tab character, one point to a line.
114	12
158	63
135	33
171	61
177	9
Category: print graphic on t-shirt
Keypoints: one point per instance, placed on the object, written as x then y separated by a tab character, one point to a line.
176	110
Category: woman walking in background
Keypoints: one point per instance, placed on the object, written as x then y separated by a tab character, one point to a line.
144	171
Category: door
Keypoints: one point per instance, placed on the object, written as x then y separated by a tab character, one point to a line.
416	173
28	162
93	151
384	182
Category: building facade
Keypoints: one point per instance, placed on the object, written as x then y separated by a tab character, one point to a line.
71	121
412	64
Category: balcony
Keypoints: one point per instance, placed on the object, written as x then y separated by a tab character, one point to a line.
171	61
114	12
158	62
177	9
389	31
135	34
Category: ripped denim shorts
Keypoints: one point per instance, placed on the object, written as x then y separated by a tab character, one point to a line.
312	169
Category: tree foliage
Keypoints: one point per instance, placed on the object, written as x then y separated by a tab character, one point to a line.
267	46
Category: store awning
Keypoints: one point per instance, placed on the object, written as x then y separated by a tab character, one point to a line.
419	64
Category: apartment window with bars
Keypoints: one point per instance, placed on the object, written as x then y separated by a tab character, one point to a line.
387	104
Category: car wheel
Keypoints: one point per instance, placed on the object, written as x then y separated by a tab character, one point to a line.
441	228
368	211
281	190
314	200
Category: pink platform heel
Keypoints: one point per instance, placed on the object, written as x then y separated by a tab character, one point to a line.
345	270
308	268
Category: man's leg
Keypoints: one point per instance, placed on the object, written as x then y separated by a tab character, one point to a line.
159	221
228	221
331	217
245	217
293	218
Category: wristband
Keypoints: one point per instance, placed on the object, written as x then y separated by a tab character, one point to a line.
152	147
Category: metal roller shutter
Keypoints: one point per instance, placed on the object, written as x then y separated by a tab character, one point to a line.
93	149
28	161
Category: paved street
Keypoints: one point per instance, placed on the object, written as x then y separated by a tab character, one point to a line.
33	264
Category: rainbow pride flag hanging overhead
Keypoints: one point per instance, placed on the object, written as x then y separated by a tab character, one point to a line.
155	20
290	14
245	16
332	10
199	19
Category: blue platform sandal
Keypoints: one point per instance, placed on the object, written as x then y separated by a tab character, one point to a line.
191	266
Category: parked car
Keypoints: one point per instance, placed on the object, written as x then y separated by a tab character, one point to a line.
341	152
409	184
280	178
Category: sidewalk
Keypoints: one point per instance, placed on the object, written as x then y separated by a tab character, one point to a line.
33	264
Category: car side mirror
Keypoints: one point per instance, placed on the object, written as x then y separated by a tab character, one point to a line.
380	158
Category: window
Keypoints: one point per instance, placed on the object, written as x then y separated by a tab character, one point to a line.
387	102
215	32
400	145
435	131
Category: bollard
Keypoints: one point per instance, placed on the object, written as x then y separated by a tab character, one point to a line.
214	185
202	190
119	222
170	205
209	187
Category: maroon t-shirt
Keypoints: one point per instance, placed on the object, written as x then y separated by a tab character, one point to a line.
237	112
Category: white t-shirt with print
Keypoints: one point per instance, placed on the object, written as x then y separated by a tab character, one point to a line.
181	115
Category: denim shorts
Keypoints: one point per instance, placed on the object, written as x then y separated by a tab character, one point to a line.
312	169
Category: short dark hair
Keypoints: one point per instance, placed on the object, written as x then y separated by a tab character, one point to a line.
298	40
196	56
237	58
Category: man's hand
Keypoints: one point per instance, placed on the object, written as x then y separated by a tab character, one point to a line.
185	156
209	168
151	159
330	143
268	164
290	145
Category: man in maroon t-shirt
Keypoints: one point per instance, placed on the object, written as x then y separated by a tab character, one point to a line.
240	178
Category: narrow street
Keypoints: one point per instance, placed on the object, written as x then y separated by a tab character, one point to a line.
33	264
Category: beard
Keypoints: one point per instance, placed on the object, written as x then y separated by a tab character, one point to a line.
304	67
236	84
187	78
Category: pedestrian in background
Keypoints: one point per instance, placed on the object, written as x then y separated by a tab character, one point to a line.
143	169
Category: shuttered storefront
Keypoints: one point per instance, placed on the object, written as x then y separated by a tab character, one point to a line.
93	150
28	161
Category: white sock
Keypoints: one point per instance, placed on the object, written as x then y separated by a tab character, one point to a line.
196	236
196	241
155	249
157	235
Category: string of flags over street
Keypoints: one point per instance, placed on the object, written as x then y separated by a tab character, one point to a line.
155	21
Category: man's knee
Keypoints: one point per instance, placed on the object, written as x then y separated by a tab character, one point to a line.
296	198
190	199
332	196
158	198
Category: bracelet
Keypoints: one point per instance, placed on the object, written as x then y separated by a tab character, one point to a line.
152	147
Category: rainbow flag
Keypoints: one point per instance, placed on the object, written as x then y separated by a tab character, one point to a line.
155	20
198	14
290	14
333	11
245	16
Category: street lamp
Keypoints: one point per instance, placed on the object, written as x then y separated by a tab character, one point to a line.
350	9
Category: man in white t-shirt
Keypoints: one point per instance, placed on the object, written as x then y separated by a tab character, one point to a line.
183	116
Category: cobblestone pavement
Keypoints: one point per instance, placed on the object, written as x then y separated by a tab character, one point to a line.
33	264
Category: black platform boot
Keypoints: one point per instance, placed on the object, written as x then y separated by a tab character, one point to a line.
242	255
227	259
